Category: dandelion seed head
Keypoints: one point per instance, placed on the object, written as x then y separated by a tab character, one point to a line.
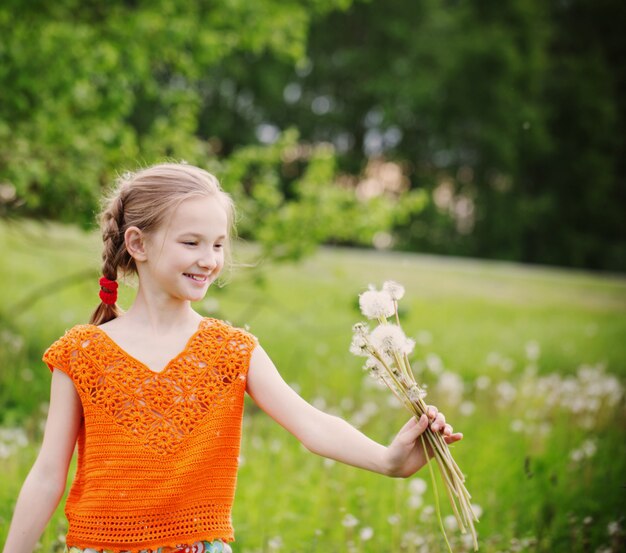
434	363
613	528
394	289
350	521
390	339
450	522
576	455
416	393
532	350
275	543
451	386
467	408
366	533
360	328
418	486
358	345
376	304
506	393
517	425
589	448
415	501
427	513
483	382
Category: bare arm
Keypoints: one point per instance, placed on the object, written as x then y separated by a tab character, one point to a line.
331	436
44	486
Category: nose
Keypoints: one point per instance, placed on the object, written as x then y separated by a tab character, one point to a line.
208	260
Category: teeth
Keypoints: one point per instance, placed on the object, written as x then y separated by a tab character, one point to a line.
194	277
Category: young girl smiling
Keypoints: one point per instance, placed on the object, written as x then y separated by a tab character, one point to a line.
154	396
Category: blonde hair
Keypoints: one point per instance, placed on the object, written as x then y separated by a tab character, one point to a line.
144	200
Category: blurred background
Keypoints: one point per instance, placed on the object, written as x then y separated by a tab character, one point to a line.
474	151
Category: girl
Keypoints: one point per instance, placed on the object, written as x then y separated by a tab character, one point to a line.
154	395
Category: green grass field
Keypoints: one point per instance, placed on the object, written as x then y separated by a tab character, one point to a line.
529	363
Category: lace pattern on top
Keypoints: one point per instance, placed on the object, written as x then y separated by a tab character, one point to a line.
157	452
158	409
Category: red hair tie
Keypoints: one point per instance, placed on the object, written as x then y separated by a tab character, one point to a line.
108	291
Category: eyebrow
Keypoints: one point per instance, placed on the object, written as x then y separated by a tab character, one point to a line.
196	235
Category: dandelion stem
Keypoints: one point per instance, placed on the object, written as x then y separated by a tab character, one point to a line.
436	495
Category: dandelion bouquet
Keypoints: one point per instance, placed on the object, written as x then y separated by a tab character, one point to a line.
386	349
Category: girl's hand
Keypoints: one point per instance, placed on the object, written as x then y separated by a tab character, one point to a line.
405	455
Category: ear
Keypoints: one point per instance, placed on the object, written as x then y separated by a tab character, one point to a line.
135	243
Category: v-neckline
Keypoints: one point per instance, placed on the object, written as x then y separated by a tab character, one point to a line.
143	365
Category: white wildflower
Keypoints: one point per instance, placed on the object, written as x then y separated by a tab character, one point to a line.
427	513
576	455
517	425
393	519
366	533
507	364
417	486
467	408
451	385
434	363
450	522
415	501
532	351
506	393
376	304
394	289
349	521
478	510
275	543
589	448
483	382
613	528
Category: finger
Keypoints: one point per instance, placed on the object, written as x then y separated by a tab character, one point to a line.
447	430
408	437
439	422
409	424
453	438
432	411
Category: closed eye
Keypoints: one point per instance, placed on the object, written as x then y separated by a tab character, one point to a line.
190	243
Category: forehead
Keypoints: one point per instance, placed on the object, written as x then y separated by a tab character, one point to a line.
200	214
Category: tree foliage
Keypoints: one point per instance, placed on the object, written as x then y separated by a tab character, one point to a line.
507	120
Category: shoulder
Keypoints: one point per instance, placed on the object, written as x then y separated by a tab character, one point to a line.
59	352
226	329
74	334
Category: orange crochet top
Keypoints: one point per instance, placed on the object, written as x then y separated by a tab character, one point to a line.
157	452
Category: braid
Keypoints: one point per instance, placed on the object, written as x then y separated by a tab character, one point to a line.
113	253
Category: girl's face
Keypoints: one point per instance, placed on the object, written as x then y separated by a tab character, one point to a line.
186	254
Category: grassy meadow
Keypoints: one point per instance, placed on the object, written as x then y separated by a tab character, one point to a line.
529	363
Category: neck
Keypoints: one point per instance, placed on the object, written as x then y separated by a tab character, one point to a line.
160	315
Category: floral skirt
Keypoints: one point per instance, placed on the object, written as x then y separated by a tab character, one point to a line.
215	546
